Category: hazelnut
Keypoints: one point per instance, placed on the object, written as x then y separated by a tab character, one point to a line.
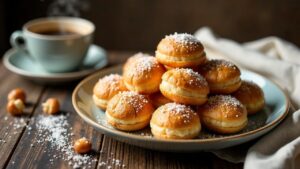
15	107
51	106
82	145
17	93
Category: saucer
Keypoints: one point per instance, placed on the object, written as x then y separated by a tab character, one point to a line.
20	63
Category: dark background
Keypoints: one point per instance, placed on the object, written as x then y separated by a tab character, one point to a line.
140	24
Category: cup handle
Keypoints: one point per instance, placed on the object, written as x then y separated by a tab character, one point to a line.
15	39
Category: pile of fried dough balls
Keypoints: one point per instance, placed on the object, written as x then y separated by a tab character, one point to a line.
177	92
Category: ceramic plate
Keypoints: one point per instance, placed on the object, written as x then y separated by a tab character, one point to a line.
20	63
273	113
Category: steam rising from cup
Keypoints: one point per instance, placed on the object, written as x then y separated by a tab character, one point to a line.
68	7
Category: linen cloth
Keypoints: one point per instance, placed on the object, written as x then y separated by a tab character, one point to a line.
279	61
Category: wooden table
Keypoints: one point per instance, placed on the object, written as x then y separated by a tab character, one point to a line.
18	148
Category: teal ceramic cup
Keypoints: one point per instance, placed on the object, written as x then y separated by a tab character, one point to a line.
58	44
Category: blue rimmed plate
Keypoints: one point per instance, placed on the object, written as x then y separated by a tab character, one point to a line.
274	112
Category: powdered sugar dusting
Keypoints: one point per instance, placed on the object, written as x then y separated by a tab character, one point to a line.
216	64
145	134
54	129
113	80
134	99
135	57
142	66
184	38
139	55
196	79
146	64
114	162
228	103
225	100
17	124
181	110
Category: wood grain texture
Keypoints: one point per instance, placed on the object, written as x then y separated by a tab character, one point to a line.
38	155
12	127
139	158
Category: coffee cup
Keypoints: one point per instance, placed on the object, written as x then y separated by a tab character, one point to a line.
58	44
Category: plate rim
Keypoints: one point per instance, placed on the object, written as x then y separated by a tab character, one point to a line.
68	75
142	138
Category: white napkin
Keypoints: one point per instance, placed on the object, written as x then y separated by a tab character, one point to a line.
278	60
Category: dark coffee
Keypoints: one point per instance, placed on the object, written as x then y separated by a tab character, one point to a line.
57	32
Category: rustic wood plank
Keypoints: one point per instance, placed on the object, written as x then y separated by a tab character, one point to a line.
42	155
219	163
129	156
12	127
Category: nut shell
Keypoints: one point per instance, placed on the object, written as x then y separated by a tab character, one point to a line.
15	107
51	106
17	93
82	146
